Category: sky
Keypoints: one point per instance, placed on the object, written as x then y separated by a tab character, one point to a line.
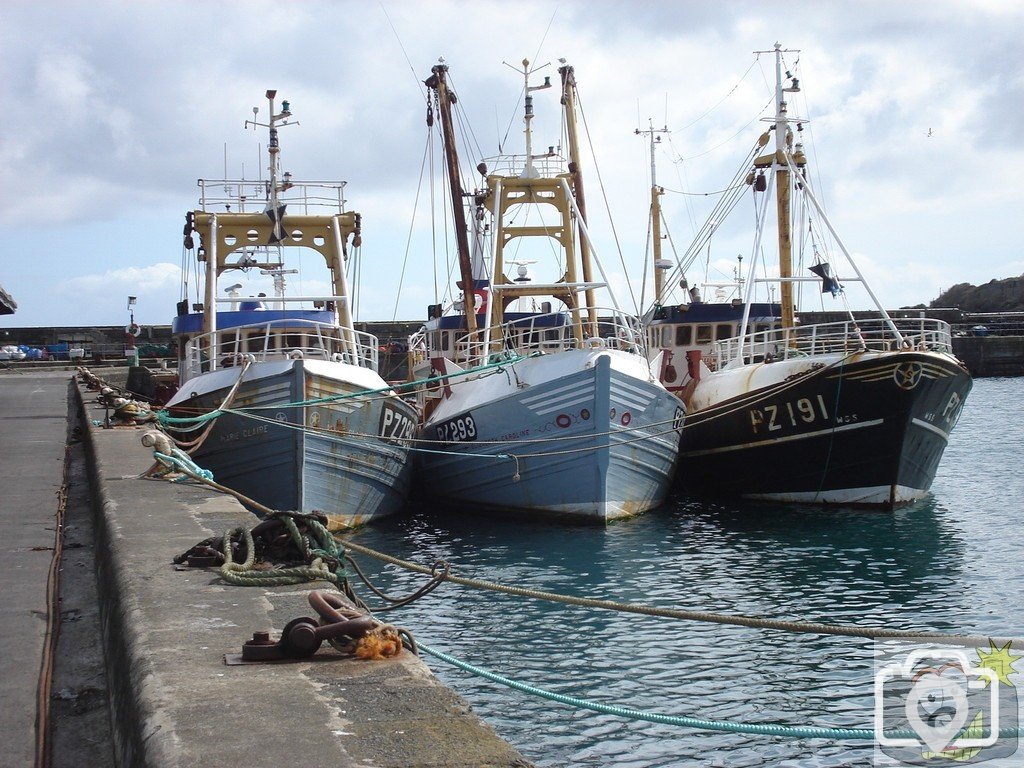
113	110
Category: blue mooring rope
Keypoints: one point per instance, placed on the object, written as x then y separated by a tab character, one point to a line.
761	729
181	460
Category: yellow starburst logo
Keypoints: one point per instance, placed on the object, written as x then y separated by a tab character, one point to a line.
1000	660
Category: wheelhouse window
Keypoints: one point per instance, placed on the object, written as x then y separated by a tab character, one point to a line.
724	331
684	335
705	334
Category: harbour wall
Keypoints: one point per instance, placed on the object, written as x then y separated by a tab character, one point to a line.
175	702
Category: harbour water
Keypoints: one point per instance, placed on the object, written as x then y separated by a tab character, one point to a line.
952	563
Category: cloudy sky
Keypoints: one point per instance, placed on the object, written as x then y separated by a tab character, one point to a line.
112	110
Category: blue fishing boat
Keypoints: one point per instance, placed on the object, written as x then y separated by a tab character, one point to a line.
288	406
540	401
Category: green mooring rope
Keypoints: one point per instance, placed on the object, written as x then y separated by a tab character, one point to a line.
761	729
180	422
184	423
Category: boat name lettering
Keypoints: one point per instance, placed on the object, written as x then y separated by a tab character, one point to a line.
394	426
773	417
515	435
241	434
458	430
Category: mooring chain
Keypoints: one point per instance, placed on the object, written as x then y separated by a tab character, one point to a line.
439	573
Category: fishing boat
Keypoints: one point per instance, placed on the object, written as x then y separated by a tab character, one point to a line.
540	401
856	412
283	393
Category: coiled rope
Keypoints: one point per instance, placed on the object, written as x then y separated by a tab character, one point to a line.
756	622
245	574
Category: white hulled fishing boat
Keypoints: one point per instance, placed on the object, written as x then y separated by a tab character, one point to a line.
301	419
856	412
549	411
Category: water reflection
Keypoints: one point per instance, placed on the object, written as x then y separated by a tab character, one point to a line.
951	563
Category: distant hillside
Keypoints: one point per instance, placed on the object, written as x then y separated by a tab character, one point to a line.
994	296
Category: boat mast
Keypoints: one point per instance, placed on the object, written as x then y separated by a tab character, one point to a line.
782	190
656	193
445	98
214	260
568	75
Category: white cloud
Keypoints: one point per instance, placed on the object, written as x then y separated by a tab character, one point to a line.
116	116
104	296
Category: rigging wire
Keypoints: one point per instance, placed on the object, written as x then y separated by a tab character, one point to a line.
433	205
419	83
701	194
718	103
466	133
726	141
604	195
723	207
412	224
810	137
648	240
683	178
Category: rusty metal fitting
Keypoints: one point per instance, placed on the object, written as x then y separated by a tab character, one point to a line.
261	648
302	637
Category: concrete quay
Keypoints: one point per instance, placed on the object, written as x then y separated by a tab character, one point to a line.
173	700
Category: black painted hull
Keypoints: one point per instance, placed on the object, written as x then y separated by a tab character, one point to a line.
867	431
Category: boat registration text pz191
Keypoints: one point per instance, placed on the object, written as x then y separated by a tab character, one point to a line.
772	417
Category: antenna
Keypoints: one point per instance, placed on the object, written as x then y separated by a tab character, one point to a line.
655	139
528	170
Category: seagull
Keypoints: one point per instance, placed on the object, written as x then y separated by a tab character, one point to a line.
929	134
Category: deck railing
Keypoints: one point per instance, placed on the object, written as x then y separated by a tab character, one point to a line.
546	166
541	333
247	196
844	337
279	340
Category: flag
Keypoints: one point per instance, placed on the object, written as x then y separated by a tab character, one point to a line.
828	283
276	216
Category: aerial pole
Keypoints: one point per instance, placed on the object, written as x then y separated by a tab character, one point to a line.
656	193
445	98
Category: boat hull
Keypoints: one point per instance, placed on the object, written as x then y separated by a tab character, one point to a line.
592	445
348	458
863	431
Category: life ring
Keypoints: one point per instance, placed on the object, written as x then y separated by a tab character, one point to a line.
594	342
133	329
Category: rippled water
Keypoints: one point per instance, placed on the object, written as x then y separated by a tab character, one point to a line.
951	563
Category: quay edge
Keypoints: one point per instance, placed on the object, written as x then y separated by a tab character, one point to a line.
173	700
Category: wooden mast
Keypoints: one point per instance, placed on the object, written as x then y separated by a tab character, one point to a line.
782	183
445	98
568	75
